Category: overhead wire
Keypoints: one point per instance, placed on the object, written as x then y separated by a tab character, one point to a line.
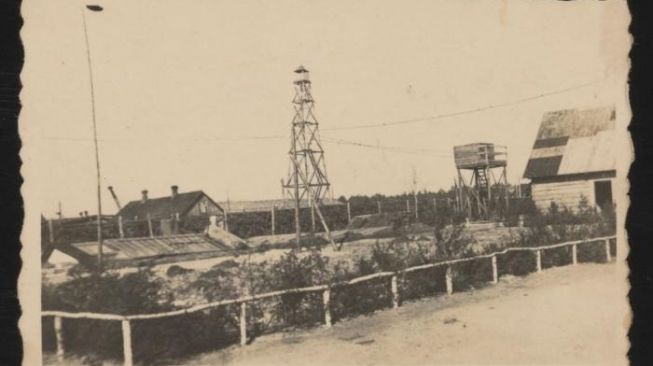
405	150
398	149
463	112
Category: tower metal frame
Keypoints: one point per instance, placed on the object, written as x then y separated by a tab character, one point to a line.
307	176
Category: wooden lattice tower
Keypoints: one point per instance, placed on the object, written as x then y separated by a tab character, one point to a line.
481	184
307	178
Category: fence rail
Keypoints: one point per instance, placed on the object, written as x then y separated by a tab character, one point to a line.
325	289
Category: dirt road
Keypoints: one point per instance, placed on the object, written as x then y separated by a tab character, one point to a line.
566	315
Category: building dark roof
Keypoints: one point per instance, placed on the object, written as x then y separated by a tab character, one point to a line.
571	142
163	207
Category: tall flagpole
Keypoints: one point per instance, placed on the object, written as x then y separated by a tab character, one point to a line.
95	141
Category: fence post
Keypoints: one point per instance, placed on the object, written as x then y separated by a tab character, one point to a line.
495	272
273	220
326	300
538	260
608	256
243	323
416	204
378	205
395	292
176	222
407	206
348	212
312	214
448	280
120	229
127	343
149	225
574	254
50	231
58	333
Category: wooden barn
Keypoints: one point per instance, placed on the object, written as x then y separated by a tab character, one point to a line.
573	156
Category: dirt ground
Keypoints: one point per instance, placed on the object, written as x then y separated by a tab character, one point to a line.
566	315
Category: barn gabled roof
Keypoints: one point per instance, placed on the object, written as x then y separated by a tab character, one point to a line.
163	207
573	141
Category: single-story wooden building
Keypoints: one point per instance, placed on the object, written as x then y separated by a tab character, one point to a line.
573	156
176	205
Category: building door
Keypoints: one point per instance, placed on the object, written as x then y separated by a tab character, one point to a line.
603	193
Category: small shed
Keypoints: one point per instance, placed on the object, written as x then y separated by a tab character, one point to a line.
573	156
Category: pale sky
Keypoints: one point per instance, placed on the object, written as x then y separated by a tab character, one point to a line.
181	87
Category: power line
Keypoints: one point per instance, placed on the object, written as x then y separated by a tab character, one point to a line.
468	111
405	150
398	149
194	139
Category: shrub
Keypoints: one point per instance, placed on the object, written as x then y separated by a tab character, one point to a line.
361	298
176	270
516	263
291	271
423	283
592	251
133	293
107	293
472	274
556	257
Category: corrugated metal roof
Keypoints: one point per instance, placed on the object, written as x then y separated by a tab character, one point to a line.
266	205
139	248
573	142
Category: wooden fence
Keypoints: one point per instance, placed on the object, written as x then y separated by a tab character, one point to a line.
324	289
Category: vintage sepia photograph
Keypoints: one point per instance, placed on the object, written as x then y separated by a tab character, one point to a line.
325	182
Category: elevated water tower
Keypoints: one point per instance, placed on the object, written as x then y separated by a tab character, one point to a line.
482	184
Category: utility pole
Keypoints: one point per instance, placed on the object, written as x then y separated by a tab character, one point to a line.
283	189
226	213
415	192
94	8
307	178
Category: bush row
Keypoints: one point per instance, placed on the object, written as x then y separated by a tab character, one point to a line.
164	340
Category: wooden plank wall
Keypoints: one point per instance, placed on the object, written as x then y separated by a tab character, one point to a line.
563	193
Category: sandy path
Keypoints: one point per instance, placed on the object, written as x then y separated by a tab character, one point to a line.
563	315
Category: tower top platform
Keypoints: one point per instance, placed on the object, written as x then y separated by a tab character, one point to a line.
480	155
